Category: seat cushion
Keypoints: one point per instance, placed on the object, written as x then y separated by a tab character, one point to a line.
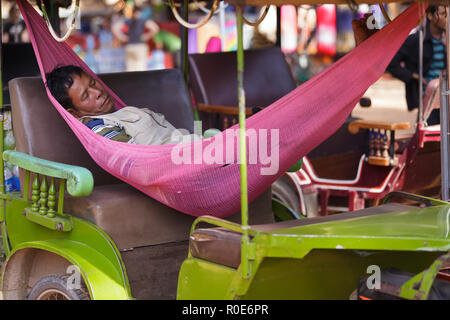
222	246
133	219
217	245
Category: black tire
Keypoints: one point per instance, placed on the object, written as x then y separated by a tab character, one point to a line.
282	191
54	287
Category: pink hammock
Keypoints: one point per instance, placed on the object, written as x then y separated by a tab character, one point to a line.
304	118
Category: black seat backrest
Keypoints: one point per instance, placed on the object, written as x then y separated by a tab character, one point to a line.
18	60
267	77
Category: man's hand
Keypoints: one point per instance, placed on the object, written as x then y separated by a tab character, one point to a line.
416	76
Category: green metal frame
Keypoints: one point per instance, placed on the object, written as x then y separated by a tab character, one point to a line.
36	224
265	254
410	240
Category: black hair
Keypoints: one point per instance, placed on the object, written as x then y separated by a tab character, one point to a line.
13	9
59	80
433	9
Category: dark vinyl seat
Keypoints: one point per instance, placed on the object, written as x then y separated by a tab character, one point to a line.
18	60
267	77
131	218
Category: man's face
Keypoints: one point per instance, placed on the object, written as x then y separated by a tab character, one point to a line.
89	98
439	18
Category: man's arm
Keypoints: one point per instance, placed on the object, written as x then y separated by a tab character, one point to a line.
152	30
116	30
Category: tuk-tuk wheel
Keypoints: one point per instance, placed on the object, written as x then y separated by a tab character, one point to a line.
55	287
283	192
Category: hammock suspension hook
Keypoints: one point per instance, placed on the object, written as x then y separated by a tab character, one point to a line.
74	12
385	15
191	25
206	10
257	22
352	5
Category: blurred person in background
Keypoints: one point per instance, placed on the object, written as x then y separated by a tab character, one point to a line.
14	29
140	30
405	64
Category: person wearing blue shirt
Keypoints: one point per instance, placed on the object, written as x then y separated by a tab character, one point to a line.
140	30
405	64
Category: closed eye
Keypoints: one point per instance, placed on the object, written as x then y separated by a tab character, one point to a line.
84	96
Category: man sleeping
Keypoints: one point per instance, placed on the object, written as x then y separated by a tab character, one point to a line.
86	99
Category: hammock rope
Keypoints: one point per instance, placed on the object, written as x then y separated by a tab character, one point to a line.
75	7
188	25
258	22
385	14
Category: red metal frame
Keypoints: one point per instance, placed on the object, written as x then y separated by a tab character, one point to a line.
370	182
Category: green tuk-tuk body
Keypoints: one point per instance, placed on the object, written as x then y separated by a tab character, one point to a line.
322	260
39	243
301	259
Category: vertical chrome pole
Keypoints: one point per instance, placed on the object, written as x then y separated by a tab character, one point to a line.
222	26
445	85
185	53
444	137
421	31
447	34
2	169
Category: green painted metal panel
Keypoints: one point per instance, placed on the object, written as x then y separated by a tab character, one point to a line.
79	180
328	274
321	274
431	224
102	277
59	222
203	280
324	260
86	244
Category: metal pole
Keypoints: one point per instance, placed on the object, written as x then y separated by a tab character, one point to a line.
242	130
2	169
420	114
278	41
184	64
445	85
222	24
444	137
246	268
447	34
185	52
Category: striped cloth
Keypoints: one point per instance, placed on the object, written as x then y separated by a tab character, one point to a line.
111	131
437	62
